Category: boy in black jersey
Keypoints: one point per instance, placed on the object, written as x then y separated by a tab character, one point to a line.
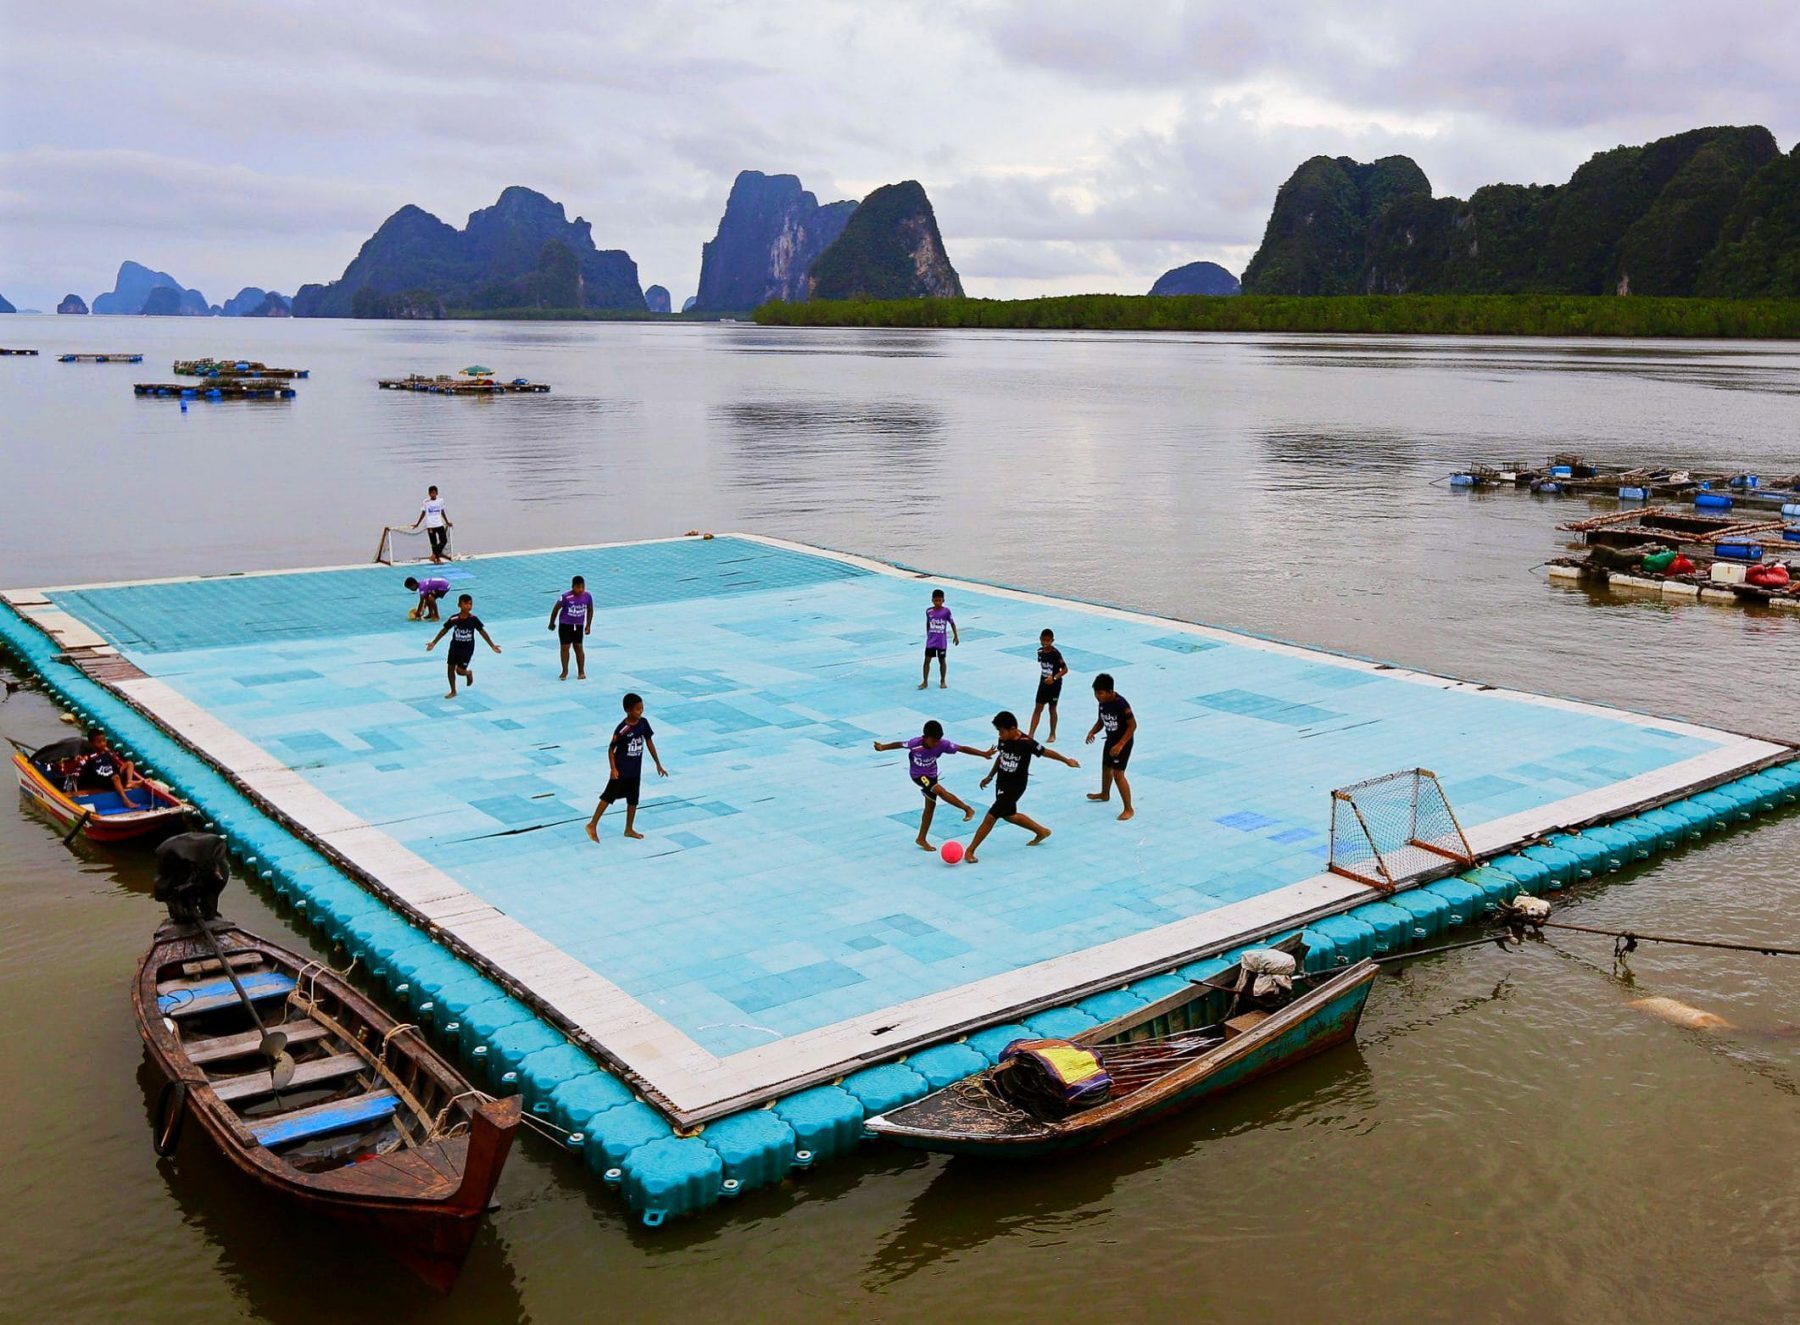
625	766
1051	670
462	629
1120	725
1012	768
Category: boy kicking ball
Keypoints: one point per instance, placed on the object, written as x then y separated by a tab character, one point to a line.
625	766
922	754
462	629
1012	767
1120	725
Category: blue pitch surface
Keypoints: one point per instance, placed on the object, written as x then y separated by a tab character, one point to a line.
778	889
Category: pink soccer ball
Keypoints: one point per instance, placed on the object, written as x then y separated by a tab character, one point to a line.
951	852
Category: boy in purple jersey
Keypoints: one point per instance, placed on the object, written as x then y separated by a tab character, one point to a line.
922	754
625	766
429	590
940	631
571	619
1014	752
1120	726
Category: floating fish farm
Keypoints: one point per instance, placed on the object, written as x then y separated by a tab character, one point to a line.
219	389
99	358
718	1006
443	385
233	368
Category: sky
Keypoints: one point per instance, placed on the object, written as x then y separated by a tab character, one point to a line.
1066	145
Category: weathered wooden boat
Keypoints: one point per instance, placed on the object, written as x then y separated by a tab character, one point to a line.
1166	1056
351	1114
101	816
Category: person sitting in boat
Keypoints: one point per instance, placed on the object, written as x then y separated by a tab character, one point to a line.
61	760
105	770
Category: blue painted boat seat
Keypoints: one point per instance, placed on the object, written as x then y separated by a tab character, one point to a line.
107	802
323	1119
204	996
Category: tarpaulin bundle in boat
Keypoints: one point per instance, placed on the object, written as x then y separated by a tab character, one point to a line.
191	870
51	759
1052	1078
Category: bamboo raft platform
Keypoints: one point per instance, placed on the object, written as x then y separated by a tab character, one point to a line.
6	352
233	368
221	389
446	385
1721	558
99	358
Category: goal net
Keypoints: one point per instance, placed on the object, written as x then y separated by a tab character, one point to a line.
1387	829
404	543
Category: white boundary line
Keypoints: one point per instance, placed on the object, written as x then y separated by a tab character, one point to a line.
695	1085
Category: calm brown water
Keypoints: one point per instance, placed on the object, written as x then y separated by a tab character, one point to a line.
1508	1141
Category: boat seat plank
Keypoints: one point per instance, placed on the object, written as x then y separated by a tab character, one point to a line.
239	961
184	1000
1245	1022
251	1084
324	1119
218	1047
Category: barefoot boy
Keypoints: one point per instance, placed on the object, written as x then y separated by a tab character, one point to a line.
940	631
922	763
1051	670
1120	725
462	629
1012	766
429	589
625	766
572	619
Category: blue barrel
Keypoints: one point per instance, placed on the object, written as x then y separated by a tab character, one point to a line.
1712	501
1592	858
1562	471
1462	480
1551	488
1392	926
1564	866
1630	492
1351	939
1467	903
827	1121
1738	551
1790	508
671	1177
1497	887
1430	913
756	1147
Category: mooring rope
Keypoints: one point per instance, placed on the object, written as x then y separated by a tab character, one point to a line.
1626	940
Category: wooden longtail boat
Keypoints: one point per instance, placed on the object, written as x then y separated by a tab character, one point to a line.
373	1128
101	815
1166	1056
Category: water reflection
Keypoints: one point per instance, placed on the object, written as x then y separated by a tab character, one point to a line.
875	344
800	457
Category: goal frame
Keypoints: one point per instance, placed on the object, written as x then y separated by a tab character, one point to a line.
1345	809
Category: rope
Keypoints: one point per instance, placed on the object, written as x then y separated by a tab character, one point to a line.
396	1030
1626	940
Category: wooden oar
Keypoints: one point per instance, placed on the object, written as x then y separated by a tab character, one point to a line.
80	823
274	1043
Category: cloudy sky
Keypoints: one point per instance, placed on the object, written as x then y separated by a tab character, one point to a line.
1067	145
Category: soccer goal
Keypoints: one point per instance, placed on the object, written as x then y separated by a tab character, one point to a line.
1386	829
404	543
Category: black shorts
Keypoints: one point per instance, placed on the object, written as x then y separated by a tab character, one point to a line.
934	651
460	655
440	539
1049	692
621	789
1005	806
1117	762
927	785
568	634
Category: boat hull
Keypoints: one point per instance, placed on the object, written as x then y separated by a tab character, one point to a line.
160	812
423	1204
1300	1032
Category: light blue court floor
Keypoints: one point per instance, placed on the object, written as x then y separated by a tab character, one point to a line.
778	890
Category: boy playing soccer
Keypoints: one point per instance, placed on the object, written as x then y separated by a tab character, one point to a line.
1120	725
625	766
462	629
922	763
1051	670
940	630
571	619
429	590
1012	766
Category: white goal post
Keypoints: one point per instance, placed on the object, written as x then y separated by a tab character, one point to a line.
400	542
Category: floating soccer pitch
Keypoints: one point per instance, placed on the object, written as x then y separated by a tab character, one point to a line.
778	927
